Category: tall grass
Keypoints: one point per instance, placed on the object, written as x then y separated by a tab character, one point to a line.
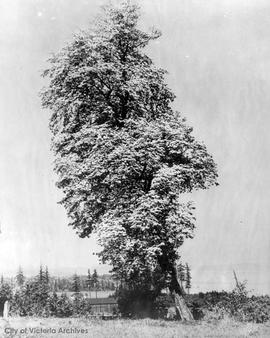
131	328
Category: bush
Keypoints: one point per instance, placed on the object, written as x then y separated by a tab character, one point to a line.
81	306
257	309
33	300
196	306
61	306
161	305
244	308
5	292
236	304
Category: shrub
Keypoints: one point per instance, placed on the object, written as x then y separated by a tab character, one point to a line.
161	305
81	307
257	309
236	304
32	300
62	306
5	292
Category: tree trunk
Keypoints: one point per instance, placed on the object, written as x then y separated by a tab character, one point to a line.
178	292
182	308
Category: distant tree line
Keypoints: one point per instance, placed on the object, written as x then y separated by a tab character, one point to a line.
75	283
82	283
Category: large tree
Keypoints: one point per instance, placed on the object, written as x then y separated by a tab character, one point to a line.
123	155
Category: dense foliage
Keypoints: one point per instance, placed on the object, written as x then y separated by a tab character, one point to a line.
236	304
37	297
218	305
32	300
123	156
5	292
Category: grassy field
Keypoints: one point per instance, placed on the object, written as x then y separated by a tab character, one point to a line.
79	328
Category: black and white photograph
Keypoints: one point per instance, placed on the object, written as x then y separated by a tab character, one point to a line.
134	168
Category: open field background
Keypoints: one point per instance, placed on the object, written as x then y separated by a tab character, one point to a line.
130	328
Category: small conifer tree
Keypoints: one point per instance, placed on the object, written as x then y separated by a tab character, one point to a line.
89	280
47	276
20	279
188	278
76	285
95	278
181	273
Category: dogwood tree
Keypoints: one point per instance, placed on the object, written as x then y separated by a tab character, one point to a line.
123	155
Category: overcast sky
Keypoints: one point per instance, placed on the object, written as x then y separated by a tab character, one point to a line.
217	53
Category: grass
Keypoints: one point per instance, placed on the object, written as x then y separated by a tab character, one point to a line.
146	328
